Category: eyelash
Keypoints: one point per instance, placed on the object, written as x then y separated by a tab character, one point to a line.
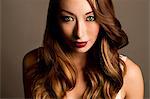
69	18
90	18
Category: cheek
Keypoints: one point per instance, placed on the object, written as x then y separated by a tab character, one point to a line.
94	30
66	30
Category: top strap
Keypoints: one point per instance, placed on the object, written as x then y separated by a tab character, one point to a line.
123	57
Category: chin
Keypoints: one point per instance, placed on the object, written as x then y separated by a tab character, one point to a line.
82	50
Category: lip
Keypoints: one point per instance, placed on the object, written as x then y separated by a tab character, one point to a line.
80	44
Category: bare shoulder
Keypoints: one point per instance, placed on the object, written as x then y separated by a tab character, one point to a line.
30	58
133	81
29	62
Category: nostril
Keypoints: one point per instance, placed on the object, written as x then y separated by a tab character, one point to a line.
76	36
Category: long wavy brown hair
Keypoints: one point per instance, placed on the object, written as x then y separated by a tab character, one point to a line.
55	73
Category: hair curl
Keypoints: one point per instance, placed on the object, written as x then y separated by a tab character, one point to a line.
57	74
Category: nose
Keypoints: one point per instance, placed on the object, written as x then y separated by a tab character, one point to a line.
80	29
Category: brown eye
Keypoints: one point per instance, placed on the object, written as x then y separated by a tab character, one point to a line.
67	18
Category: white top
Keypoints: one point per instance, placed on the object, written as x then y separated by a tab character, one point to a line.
124	58
121	93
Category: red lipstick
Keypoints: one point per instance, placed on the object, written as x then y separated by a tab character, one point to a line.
80	44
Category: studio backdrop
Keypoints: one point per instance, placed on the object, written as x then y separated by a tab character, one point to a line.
22	25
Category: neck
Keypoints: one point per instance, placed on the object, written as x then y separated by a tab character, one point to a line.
79	60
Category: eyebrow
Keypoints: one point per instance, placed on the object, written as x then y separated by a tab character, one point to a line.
74	14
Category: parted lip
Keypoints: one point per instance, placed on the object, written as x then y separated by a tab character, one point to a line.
80	44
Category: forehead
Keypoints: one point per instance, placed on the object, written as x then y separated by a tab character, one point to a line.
76	6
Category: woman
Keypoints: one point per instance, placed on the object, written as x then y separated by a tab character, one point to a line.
79	57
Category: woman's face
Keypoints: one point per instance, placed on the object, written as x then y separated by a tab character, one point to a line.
78	24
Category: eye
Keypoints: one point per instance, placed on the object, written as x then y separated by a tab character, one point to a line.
67	18
90	18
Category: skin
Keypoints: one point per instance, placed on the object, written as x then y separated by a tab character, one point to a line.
133	81
79	25
133	87
82	27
